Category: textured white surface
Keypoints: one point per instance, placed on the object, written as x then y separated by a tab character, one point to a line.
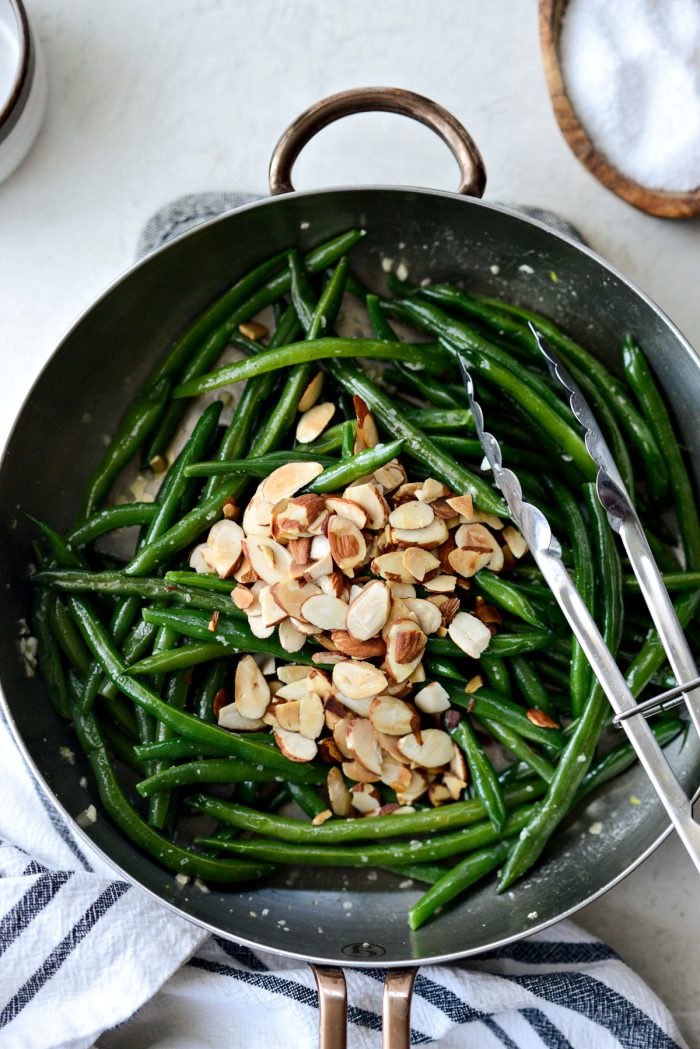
149	101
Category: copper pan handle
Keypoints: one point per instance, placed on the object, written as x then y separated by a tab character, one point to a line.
385	100
333	1007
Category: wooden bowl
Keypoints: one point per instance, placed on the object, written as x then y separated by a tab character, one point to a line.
653	201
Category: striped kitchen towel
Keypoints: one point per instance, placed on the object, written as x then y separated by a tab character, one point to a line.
89	960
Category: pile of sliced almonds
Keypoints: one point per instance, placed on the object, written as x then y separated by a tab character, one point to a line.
370	573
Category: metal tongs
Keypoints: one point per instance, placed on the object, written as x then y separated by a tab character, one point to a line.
546	550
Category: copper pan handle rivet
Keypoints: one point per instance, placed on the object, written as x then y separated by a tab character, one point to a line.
385	100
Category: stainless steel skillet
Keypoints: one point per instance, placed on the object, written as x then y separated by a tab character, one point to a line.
88	382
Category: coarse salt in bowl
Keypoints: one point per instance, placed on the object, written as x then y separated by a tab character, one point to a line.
22	86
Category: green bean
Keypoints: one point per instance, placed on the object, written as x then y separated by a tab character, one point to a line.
623	756
519	748
302	295
313	349
124	515
425	872
188	655
496	673
343	473
441	419
307	799
508	596
471	448
219	770
236	439
529	684
134	646
438	667
673	581
213	682
198	581
61	549
160	803
347	446
48	654
119	745
331	439
70	641
137	423
490	704
460	814
458	878
378	320
175	748
641	380
482	775
578	753
260	466
437	847
608	422
416	444
500	645
441	396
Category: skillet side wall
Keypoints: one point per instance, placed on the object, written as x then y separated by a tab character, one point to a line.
96	370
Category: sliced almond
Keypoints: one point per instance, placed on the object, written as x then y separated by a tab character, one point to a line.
290	596
394	774
309	629
251	690
469	634
363	745
300	549
358	680
416	788
338	793
438	794
288	673
429	617
431	490
368	611
292	690
347	543
390	746
474	684
244	574
390	476
357	706
253	330
458	765
286	480
231	718
333	584
393	717
405	492
271	612
405	644
340	729
321	817
295	746
319	683
198	562
328	751
365	799
462	505
366	435
287	715
441	584
311	394
326	658
478	538
224	546
356	771
258	628
325	611
432	699
269	559
314	421
433	535
257	517
515	541
311	715
435	749
391	566
489	614
418	675
467	563
419	562
242	597
317	569
370	498
401	590
454	785
347	508
291	639
538	717
302	516
412	515
350	646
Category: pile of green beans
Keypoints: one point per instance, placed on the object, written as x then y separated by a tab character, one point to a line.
139	655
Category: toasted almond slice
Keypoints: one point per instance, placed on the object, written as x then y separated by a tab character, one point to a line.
365	799
334	712
327	658
358	680
311	394
429	617
391	566
356	771
321	817
368	611
289	672
366	435
394	774
300	549
370	498
467	563
340	729
244	574
291	639
347	508
390	476
390	746
269	559
328	751
431	490
253	330
311	715
271	612
412	515
197	561
258	628
333	584
350	646
458	765
455	785
231	718
319	682
518	546
287	715
393	717
489	614
405	644
428	538
257	516
432	699
314	421
438	794
357	706
474	684
295	746
242	597
338	793
419	562
435	749
405	492
317	569
441	584
251	690
324	611
476	537
400	591
469	634
223	549
290	596
320	547
301	516
416	788
538	717
418	675
462	505
441	508
348	547
309	629
292	689
286	480
363	745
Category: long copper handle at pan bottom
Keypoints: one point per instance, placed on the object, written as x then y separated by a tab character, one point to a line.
333	1007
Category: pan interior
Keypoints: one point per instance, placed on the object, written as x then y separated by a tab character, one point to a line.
354	916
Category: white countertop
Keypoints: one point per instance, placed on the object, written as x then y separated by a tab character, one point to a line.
152	100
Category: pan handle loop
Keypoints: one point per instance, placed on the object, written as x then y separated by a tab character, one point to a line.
385	100
332	1007
396	1008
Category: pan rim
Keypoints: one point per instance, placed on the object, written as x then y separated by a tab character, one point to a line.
80	832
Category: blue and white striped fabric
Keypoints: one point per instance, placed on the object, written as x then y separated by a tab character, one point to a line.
77	971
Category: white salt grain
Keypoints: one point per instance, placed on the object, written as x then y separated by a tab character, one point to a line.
631	72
